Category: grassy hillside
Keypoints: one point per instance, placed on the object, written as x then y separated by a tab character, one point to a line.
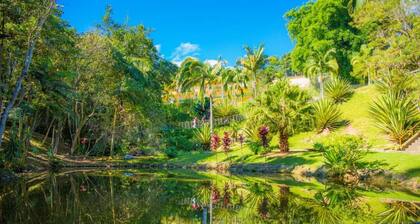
356	111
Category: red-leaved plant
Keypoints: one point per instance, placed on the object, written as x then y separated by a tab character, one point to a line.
226	142
262	133
215	142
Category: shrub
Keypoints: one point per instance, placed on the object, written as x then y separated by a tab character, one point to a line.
215	142
338	90
235	127
253	139
397	117
397	83
203	136
171	152
179	139
226	142
262	133
326	115
225	110
202	109
344	155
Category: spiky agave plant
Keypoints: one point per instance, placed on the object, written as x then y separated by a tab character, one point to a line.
400	212
338	90
326	115
253	139
203	136
398	117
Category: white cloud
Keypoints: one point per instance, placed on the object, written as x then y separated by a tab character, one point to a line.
184	50
211	62
158	47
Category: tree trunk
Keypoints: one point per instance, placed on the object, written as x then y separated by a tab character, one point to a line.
211	114
75	141
48	132
321	85
254	86
283	142
114	122
27	62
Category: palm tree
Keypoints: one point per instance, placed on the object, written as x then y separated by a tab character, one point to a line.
322	65
195	73
234	81
283	107
252	63
363	66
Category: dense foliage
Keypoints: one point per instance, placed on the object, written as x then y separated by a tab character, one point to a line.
96	93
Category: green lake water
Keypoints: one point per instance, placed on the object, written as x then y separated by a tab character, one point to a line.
134	196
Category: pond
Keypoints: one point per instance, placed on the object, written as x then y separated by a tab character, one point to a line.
139	196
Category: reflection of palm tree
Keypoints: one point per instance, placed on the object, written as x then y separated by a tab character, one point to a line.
322	213
400	212
284	196
260	196
204	192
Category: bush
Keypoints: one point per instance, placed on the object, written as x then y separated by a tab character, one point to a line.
179	139
344	155
253	139
338	90
326	115
397	117
225	110
171	152
203	136
397	83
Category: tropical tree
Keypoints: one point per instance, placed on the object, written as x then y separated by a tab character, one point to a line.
235	82
322	66
32	25
195	73
318	26
285	109
252	64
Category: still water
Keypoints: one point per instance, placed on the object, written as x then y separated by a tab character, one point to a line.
133	196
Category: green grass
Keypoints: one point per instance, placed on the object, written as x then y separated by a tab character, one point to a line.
356	111
398	162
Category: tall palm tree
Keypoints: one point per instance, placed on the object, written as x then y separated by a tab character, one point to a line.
322	65
252	63
363	66
234	81
195	73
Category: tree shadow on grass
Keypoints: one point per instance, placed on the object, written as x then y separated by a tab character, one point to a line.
292	160
191	158
414	172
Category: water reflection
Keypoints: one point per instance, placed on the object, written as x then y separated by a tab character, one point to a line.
141	197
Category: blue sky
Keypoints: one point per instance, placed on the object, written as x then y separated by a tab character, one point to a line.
204	29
